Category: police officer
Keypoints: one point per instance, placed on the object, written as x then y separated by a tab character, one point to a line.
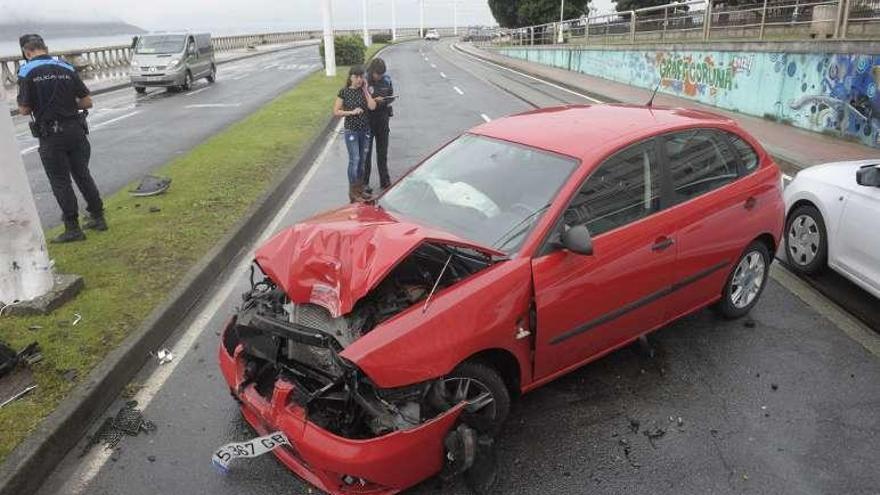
382	90
51	92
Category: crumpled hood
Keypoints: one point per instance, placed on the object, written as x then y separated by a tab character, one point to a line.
335	259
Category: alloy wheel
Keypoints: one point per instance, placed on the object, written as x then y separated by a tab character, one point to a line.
803	240
478	397
747	279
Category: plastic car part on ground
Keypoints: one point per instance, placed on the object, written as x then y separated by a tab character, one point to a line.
151	185
128	421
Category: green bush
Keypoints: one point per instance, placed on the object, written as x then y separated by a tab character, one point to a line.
382	38
350	50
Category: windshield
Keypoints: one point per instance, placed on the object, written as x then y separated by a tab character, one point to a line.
160	44
485	190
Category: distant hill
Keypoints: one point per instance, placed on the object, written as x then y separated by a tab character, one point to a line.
48	29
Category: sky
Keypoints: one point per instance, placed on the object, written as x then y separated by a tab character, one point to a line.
235	16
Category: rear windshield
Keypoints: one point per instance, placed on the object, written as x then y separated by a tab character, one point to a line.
160	44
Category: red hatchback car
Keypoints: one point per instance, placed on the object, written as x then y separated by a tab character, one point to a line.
386	340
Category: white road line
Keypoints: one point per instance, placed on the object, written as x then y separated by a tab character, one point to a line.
457	90
214	105
485	117
28	150
508	69
198	91
117	119
443	75
97	458
433	66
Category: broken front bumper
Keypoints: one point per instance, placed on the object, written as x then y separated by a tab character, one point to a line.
337	465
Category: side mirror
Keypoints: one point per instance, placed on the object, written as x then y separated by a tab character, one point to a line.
577	240
868	176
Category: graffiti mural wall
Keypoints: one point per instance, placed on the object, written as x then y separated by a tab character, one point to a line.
818	91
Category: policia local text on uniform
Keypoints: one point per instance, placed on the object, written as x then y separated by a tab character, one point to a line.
51	92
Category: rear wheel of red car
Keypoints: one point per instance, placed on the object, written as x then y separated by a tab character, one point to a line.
487	397
746	281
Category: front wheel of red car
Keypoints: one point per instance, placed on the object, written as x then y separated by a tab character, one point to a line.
484	391
746	281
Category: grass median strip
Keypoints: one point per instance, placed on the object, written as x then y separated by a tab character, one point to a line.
152	242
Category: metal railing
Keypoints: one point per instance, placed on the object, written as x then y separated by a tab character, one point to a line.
101	59
712	20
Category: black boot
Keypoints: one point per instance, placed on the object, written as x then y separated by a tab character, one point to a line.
71	233
96	222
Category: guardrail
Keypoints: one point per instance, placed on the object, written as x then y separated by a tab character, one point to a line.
95	60
747	20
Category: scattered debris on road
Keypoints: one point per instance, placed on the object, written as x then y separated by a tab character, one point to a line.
164	356
151	185
17	396
128	421
76	319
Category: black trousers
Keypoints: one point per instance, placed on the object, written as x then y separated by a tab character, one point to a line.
380	137
65	156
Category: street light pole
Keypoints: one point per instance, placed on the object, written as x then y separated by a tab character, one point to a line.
561	38
422	19
25	272
366	31
393	21
329	47
455	17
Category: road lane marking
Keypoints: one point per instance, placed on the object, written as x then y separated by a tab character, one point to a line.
485	117
443	75
198	91
28	150
457	90
560	88
117	119
214	105
433	66
97	458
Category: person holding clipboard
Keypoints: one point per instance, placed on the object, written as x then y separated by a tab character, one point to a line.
382	90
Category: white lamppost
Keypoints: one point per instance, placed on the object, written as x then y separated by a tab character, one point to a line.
329	47
393	21
25	272
561	38
455	17
422	19
366	31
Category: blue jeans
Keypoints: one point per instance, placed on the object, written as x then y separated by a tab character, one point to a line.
358	144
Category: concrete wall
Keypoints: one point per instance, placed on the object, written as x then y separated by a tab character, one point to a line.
820	91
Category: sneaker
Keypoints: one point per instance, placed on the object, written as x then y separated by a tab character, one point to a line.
96	223
69	236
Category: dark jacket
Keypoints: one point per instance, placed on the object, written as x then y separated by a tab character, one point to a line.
379	117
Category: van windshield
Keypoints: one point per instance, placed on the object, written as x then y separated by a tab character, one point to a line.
160	44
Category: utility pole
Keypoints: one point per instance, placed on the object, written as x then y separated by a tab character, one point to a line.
367	39
393	21
422	19
329	46
561	38
25	272
455	17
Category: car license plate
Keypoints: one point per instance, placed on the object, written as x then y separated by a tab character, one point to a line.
251	448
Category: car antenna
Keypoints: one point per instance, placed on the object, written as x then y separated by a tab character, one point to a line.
434	289
651	101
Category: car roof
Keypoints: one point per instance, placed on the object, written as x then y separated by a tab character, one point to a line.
584	131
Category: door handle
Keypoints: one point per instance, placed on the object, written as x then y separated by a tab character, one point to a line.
662	243
750	203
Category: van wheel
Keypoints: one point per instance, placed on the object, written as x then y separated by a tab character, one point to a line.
187	81
213	75
806	242
746	282
487	397
140	90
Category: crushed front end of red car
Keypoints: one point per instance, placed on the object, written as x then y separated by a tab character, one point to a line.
282	355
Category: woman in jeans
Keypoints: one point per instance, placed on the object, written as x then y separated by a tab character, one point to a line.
353	102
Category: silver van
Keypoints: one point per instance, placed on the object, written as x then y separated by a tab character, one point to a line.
172	60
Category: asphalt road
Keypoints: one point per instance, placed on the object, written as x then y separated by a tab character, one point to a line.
132	135
783	402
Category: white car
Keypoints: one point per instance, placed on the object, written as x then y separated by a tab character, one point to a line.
432	35
833	219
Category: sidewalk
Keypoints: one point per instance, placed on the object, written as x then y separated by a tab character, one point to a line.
798	147
112	79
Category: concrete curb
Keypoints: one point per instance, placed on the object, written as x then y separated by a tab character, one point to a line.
780	157
29	464
121	85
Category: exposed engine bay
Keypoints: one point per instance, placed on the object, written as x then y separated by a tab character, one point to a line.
300	343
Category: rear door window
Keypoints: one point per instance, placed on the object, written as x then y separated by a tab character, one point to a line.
746	153
700	161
